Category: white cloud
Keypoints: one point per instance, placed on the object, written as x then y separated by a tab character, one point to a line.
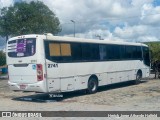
150	14
139	3
137	33
126	20
130	32
104	34
147	38
92	16
117	9
5	3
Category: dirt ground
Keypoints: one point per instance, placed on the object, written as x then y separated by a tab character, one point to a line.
119	97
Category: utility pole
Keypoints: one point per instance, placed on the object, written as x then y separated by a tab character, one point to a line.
74	26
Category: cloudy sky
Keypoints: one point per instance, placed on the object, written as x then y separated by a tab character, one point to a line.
125	20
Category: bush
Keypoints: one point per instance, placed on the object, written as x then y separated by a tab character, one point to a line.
2	58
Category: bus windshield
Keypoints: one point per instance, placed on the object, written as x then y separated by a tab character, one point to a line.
22	47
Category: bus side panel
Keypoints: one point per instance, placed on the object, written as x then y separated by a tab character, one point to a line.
145	72
102	79
122	76
54	85
111	78
83	80
75	76
67	84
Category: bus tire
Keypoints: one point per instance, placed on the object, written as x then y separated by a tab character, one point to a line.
138	77
92	85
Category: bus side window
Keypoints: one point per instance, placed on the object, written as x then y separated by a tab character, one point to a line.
139	53
113	52
54	49
116	49
109	51
90	52
65	49
94	52
122	52
102	51
129	53
86	52
146	56
57	51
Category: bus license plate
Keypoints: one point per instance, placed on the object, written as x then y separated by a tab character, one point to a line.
23	86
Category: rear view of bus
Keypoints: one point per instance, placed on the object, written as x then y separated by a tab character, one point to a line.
26	64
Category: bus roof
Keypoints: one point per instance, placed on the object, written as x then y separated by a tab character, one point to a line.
83	40
73	39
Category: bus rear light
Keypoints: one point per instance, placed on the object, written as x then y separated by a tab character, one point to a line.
39	72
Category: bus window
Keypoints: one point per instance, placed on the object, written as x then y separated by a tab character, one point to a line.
94	52
86	52
59	52
59	49
122	52
22	47
90	52
76	51
113	52
117	52
102	52
54	49
129	52
139	52
146	56
65	49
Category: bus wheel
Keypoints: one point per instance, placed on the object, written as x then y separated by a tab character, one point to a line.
92	85
138	77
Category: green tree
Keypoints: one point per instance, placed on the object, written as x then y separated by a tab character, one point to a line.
28	18
155	50
2	58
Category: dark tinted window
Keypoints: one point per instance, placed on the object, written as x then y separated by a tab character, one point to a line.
139	52
129	52
122	52
71	52
133	52
146	56
76	51
103	52
113	52
117	52
90	52
87	52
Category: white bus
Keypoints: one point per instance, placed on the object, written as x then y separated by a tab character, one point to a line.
47	63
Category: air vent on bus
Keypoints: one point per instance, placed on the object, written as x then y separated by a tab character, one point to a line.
20	65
